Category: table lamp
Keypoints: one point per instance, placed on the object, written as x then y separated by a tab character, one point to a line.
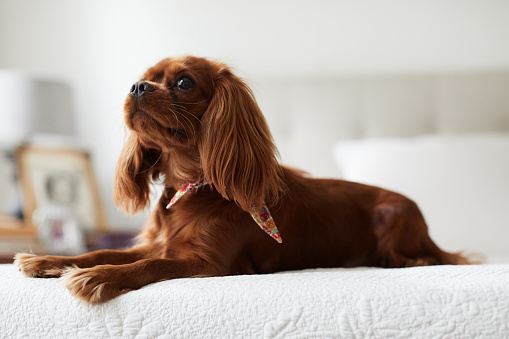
31	107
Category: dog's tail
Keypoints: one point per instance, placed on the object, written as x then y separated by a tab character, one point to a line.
455	258
463	258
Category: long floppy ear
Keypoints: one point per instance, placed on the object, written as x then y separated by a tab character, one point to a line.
136	168
237	152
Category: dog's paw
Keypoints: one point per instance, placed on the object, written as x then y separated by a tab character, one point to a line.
93	285
35	266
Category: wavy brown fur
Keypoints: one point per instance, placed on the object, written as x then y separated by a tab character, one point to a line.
211	128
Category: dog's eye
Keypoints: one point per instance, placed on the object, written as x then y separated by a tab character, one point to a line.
185	83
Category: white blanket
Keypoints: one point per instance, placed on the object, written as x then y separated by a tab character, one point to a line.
421	302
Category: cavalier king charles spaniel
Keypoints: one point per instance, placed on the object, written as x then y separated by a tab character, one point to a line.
228	206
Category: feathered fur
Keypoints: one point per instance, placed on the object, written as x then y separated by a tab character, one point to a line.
192	119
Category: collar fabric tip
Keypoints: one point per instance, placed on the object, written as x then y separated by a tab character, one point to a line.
264	219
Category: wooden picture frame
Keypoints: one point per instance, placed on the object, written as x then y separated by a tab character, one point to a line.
51	176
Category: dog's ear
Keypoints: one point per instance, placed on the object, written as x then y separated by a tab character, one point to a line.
237	152
137	167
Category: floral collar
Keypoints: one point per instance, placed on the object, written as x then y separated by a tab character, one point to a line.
261	216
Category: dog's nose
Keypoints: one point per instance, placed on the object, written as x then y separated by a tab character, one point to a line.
139	88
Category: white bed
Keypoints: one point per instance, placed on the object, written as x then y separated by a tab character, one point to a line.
367	129
421	302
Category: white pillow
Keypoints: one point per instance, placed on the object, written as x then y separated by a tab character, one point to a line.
461	184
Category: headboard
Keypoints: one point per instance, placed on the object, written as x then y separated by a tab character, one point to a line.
308	115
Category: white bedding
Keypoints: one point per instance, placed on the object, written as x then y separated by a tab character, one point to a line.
421	302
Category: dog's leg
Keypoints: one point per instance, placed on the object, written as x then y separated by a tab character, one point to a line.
48	266
102	283
403	239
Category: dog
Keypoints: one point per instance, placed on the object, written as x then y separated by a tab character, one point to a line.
228	206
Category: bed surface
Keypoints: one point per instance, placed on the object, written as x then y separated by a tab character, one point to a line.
440	301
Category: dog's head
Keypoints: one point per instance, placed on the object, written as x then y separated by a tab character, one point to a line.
192	119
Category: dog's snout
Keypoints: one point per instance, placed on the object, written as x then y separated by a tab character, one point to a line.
139	88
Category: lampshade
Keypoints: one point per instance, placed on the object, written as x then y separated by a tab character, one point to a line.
31	106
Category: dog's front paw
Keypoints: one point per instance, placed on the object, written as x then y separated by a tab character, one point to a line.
93	285
35	266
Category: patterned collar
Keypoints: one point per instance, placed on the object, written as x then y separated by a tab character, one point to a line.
261	216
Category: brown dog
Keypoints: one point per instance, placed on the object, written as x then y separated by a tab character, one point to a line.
196	126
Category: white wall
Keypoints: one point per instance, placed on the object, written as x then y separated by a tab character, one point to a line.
102	46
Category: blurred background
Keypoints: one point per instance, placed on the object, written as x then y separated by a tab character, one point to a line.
344	53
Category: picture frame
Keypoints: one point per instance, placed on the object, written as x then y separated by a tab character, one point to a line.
60	177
